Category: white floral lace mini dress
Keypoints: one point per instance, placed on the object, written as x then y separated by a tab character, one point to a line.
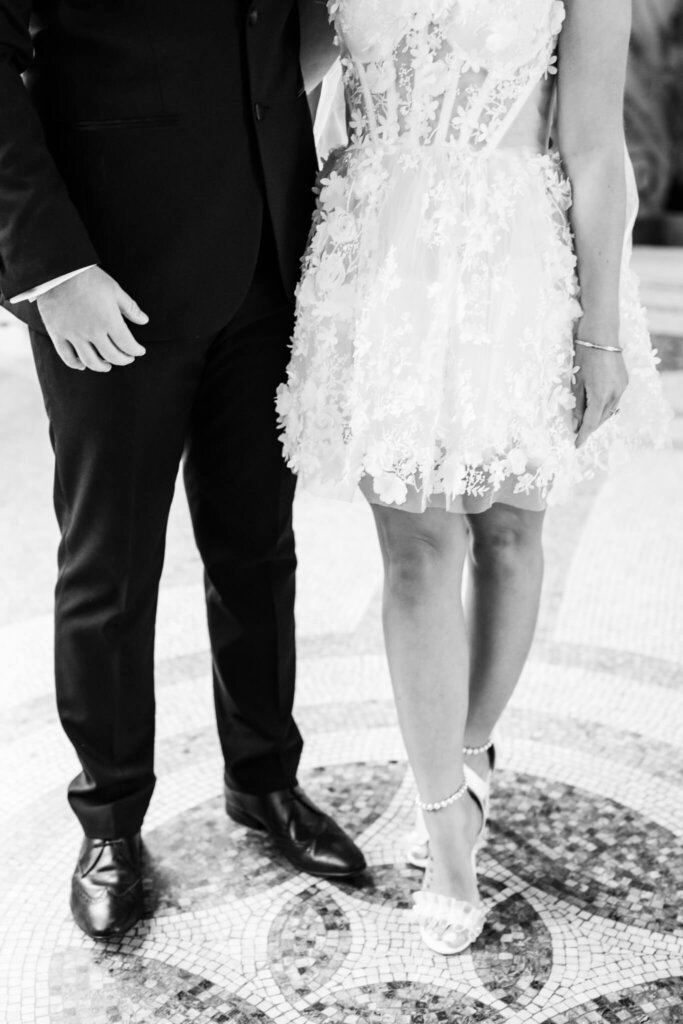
432	355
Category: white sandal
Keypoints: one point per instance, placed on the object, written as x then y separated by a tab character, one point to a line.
448	925
417	853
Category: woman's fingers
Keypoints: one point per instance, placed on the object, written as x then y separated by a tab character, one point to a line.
591	420
601	379
580	407
597	411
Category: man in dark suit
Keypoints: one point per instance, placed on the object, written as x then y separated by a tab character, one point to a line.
158	157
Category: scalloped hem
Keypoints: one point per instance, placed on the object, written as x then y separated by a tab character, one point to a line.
463	504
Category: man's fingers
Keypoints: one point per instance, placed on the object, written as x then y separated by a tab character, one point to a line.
130	308
102	354
124	340
108	351
68	354
92	359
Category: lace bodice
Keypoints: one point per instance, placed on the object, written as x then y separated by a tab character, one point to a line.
442	71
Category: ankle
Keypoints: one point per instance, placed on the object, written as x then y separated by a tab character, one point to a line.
477	741
451	869
435	806
478	754
459	824
479	763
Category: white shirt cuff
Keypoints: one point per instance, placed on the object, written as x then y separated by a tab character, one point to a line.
34	293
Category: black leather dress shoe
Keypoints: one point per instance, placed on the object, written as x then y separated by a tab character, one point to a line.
305	835
106	888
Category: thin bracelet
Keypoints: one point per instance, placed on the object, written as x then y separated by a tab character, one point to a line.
603	348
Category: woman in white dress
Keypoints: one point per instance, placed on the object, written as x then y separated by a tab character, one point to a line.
468	328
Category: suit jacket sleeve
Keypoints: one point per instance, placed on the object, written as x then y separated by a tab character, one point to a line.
41	233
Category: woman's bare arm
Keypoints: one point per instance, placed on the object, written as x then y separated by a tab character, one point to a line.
318	52
592	71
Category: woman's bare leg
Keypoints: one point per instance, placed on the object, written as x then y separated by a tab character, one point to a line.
503	594
427	650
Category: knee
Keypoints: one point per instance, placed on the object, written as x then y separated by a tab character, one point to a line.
412	567
505	547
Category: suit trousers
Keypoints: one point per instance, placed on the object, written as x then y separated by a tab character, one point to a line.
118	440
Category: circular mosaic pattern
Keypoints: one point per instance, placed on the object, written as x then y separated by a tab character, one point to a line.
193	861
196	861
311	936
593	853
551	836
400	1002
657	1002
514	955
308	942
356	795
125	989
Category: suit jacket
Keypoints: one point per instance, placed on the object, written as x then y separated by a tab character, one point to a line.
148	136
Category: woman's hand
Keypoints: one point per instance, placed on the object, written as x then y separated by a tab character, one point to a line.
593	56
601	379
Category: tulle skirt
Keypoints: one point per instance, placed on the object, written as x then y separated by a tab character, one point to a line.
432	357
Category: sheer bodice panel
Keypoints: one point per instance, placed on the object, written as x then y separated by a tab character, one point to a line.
530	128
448	71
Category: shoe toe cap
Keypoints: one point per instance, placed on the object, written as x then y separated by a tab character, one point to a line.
107	913
335	853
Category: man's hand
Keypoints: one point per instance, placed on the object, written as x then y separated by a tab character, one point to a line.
85	320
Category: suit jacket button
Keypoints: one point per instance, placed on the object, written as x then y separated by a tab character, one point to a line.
253	18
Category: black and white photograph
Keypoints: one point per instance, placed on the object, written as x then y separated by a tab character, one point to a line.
341	528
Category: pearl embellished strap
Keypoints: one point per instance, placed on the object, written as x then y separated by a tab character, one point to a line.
440	804
472	751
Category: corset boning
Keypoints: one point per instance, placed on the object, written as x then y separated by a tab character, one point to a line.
473	114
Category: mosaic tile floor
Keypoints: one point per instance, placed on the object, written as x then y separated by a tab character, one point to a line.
583	867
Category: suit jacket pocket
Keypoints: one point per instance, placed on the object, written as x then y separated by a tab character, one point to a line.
95	125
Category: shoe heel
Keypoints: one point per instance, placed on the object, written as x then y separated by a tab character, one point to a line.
241	817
